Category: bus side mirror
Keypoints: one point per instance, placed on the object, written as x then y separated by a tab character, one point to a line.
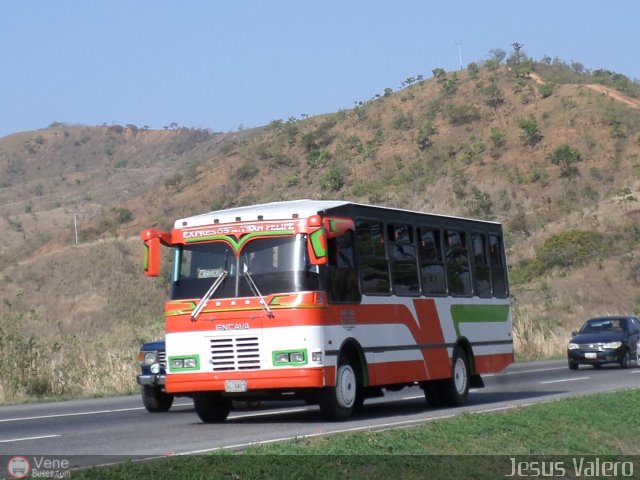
336	227
317	247
151	260
153	241
320	230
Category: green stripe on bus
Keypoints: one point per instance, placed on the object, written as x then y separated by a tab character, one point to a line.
237	245
478	314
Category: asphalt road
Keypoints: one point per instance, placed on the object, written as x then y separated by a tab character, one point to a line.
110	428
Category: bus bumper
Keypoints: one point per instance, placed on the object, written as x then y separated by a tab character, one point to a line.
259	380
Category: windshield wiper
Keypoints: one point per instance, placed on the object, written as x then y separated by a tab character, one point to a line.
256	292
208	295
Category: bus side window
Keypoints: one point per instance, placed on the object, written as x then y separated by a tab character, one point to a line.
342	276
498	270
457	261
431	263
402	253
481	273
374	266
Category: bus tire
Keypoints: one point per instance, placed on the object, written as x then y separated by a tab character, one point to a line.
155	400
432	393
211	407
339	402
455	390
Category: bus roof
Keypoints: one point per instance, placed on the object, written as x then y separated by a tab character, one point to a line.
268	211
286	210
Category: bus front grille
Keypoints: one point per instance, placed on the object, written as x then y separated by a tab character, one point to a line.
235	353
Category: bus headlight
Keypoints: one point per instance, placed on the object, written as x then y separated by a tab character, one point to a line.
296	357
290	357
189	363
184	363
282	357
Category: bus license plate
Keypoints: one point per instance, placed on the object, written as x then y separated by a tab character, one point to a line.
235	386
590	355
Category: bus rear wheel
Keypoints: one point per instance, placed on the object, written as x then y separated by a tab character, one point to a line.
212	407
339	402
455	390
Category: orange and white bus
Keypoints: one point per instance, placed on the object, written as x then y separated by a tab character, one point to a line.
332	302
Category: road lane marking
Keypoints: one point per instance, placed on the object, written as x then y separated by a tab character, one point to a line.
269	412
564	380
76	414
537	370
11	440
497	409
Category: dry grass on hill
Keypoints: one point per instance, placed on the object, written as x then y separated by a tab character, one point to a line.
71	322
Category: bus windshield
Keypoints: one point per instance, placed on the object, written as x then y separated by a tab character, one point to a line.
275	265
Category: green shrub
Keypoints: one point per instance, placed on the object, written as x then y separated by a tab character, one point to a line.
246	171
570	248
460	114
335	177
123	215
402	121
424	135
318	158
530	134
565	157
546	89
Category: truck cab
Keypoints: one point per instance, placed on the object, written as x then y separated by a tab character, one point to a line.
152	359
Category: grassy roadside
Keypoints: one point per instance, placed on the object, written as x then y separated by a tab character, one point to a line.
473	445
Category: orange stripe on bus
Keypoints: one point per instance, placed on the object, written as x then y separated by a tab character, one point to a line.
256	380
493	363
396	372
438	362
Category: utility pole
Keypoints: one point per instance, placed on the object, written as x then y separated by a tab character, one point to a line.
75	226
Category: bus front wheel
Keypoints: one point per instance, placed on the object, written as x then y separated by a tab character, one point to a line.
339	402
211	407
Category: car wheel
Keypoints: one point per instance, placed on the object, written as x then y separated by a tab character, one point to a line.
626	360
573	365
155	400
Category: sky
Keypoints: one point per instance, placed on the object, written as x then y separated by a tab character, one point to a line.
234	64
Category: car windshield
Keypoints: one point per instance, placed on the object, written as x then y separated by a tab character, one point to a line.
276	265
597	325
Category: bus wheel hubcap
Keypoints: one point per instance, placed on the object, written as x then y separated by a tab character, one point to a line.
460	376
346	388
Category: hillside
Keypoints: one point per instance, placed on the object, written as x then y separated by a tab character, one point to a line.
48	175
542	151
